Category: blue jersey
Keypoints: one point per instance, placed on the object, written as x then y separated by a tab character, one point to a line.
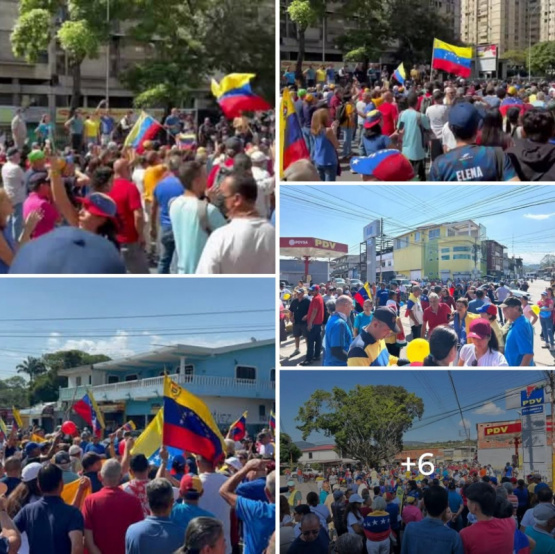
471	163
383	297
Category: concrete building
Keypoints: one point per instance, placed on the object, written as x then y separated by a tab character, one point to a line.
293	271
494	258
547	20
444	251
230	379
324	454
451	10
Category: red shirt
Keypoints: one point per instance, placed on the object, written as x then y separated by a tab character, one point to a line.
390	114
128	199
441	318
214	172
485	537
108	513
316	305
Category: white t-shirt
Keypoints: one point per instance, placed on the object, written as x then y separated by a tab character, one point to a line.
360	107
437	114
417	312
212	502
246	245
448	138
323	513
138	179
266	449
351	520
491	358
13	178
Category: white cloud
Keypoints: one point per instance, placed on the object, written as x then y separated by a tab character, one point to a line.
466	422
489	409
539	217
116	347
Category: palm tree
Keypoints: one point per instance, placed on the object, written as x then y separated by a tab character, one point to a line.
32	366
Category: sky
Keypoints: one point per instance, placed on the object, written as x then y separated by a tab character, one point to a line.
339	213
480	395
241	308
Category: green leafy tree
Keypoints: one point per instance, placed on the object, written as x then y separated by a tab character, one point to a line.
367	422
289	452
14	392
66	359
516	58
542	58
34	367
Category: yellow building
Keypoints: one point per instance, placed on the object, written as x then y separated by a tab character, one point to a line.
444	251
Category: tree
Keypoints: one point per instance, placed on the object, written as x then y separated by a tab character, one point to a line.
32	367
547	261
367	422
13	392
304	14
289	452
66	359
516	58
79	26
542	58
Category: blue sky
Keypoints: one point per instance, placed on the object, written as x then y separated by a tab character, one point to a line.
434	387
339	213
87	298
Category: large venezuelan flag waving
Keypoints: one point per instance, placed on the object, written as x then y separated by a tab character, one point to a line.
188	423
145	128
453	59
293	145
234	95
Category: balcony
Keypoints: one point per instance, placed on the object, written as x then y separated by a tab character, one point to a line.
200	385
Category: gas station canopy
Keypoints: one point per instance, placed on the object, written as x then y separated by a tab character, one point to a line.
307	247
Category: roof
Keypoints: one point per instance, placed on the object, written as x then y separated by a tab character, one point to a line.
168	354
435	225
301	247
319	448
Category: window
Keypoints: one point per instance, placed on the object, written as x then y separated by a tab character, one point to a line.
132	377
401	243
434	233
310	455
262	410
90	379
113	379
461	248
245	372
443	250
272	374
461	257
417	236
446	257
78	381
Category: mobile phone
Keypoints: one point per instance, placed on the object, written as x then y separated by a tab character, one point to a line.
401	125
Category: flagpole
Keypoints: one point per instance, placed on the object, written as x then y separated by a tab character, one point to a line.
432	64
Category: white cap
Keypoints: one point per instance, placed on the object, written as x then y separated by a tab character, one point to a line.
75	450
257	157
30	472
234	462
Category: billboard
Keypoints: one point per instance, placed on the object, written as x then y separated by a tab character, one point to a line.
372	230
486	58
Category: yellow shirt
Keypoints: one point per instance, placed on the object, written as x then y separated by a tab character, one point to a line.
153	175
320	75
349	119
91	128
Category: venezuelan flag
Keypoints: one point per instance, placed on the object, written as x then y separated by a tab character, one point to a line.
188	423
17	421
70	491
238	430
129	426
235	96
88	410
272	421
145	128
293	145
399	74
37	438
510	102
364	293
453	59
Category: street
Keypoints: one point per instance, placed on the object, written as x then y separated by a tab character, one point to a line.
543	357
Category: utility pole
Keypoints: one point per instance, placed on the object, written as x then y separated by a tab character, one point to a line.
550	375
381	248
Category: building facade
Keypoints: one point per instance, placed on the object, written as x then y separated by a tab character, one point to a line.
445	251
229	379
494	258
547	20
293	271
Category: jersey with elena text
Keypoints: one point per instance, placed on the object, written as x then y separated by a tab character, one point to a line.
471	163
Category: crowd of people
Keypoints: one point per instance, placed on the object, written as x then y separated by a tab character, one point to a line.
424	129
63	494
461	508
194	200
462	323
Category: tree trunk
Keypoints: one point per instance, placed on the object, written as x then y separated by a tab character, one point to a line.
300	59
76	88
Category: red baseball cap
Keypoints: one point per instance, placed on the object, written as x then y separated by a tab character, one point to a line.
480	329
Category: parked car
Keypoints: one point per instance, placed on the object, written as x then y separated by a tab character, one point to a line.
339	282
355	283
521	294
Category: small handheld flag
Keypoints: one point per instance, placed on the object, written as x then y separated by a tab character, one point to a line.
88	409
364	293
145	128
17	421
235	96
129	426
399	74
272	421
238	430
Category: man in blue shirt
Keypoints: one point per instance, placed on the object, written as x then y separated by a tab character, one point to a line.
107	126
166	190
258	517
52	526
173	124
430	536
156	533
383	295
338	333
96	447
519	344
191	490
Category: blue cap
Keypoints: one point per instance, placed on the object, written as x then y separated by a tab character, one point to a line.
384	165
68	250
464	117
30	446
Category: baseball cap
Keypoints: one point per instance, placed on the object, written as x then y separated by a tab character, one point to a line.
234	463
479	329
36	155
384	165
190	486
337	494
315	287
488	309
75	450
355	498
511	302
464	116
372	119
30	446
290	483
543	512
544	293
512	91
37	179
30	472
12	151
68	250
387	316
99	204
62	458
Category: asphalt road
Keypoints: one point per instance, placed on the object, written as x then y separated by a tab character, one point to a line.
542	356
